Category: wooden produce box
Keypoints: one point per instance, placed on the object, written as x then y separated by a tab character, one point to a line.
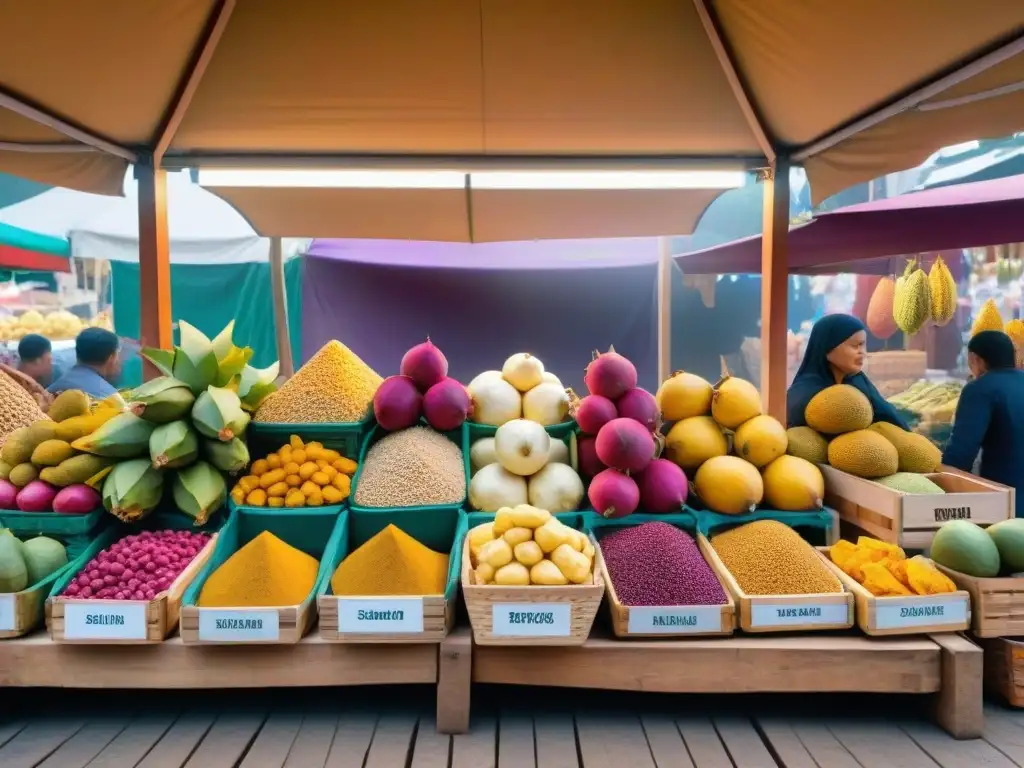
910	615
997	603
784	613
910	520
109	622
670	620
21	612
533	615
1004	669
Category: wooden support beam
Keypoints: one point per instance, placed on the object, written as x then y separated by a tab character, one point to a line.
39	114
664	309
202	54
775	289
279	294
154	260
732	75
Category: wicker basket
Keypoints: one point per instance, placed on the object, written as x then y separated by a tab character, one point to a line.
531	615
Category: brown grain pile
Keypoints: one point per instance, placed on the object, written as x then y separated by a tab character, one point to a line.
17	408
412	468
334	386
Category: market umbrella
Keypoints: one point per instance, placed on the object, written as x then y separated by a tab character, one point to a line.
464	83
862	238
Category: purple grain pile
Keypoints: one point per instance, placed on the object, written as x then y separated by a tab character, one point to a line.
659	564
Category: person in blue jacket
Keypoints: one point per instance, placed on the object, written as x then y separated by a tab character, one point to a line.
990	415
835	354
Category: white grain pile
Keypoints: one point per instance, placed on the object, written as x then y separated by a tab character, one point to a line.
412	468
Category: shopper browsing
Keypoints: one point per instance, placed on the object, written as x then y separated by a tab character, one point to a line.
98	366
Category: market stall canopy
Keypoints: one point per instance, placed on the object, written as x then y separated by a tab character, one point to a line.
203	229
462	82
861	238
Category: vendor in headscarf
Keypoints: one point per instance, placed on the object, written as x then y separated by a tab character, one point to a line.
990	415
835	355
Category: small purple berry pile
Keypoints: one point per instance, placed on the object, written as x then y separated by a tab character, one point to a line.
137	567
659	564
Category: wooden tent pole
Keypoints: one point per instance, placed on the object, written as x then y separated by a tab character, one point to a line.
154	261
664	309
279	292
775	289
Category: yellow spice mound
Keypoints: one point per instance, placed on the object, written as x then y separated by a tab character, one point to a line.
266	572
334	386
391	563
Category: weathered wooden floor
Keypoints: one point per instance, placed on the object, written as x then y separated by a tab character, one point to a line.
526	728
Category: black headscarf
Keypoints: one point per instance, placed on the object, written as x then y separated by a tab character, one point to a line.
815	373
995	348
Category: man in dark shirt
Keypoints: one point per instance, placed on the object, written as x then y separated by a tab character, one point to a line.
98	368
35	358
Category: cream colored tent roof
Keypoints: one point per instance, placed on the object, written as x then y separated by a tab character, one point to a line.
853	90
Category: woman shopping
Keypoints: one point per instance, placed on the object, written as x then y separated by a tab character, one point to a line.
835	355
990	415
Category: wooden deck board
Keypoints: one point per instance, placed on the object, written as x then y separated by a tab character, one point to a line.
228	740
881	744
665	741
433	749
38	740
784	744
178	743
392	741
743	743
703	743
555	740
477	748
352	740
313	742
823	746
516	746
130	746
274	741
81	748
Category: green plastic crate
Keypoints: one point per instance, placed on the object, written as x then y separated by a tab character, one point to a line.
458	436
345	438
600	526
328	510
54	523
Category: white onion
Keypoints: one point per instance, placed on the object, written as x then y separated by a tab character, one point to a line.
550	378
546	404
556	488
481	453
523	371
495	401
522	446
559	453
482	377
494	487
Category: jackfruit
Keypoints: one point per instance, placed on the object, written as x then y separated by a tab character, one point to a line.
69	404
78	427
839	409
942	292
988	318
22	475
911	302
806	444
863	453
5	470
50	453
917	453
19	446
908	482
75	470
1015	330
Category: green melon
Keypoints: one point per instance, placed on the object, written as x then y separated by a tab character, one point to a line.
965	547
13	574
1009	538
43	557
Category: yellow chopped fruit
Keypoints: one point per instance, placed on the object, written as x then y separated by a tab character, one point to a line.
257	498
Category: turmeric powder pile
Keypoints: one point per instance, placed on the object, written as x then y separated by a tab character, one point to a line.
884	570
391	563
266	572
767	557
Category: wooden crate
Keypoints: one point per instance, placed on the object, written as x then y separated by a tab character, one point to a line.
245	626
784	613
569	610
1004	669
130	621
21	612
997	604
432	614
879	616
676	620
910	520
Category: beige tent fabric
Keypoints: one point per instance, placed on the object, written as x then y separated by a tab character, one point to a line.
635	78
444	215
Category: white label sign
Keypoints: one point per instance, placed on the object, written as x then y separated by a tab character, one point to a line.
530	619
674	620
6	613
380	615
238	626
894	612
770	615
88	620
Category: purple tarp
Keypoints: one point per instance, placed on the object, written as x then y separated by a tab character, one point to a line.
481	302
862	238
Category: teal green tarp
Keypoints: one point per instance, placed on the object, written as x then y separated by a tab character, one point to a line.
209	297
